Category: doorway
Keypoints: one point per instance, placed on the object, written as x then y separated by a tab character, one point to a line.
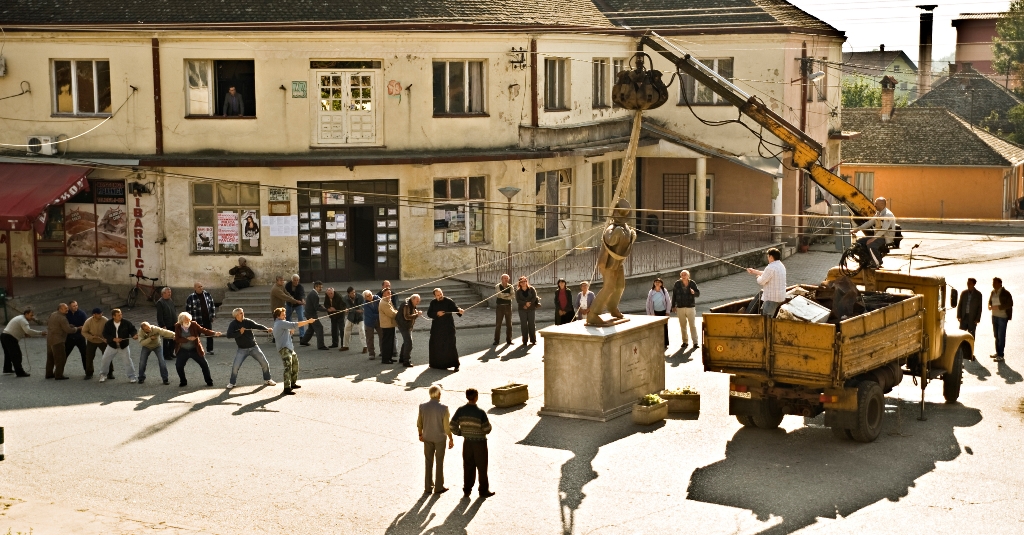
363	255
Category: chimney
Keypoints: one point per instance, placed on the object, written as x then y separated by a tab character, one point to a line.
881	47
924	53
888	97
952	68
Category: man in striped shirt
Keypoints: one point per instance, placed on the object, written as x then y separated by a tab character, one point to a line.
470	422
773	283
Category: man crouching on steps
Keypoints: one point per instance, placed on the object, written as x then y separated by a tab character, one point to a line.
283	339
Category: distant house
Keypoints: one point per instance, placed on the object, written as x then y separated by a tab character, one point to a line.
872	66
929	162
973	96
974	33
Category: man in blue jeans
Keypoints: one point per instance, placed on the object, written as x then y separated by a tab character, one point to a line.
1001	305
297	292
242	331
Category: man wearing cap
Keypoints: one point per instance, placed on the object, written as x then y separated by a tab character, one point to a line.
93	333
313	307
243	276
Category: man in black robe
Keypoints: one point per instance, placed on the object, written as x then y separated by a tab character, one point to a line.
443	352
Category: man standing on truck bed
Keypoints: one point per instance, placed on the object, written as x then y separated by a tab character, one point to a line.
883	223
1001	305
773	283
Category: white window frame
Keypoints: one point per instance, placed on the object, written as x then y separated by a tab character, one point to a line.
865	182
601	86
556	84
376	105
716	99
617	66
465	86
211	99
74	87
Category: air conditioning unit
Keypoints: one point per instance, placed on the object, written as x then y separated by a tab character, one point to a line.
41	145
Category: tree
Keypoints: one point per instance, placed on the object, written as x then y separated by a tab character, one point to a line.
1016	118
1008	44
862	93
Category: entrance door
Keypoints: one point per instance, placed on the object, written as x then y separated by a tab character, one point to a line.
50	245
362	243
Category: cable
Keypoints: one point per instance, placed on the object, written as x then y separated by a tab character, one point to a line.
104	121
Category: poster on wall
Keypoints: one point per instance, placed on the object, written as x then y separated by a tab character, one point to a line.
112	230
278	195
250	225
204	238
80	229
227	229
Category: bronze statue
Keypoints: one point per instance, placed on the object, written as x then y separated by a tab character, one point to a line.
616	242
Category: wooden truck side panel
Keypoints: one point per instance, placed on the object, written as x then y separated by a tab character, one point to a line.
871	340
734	341
802	352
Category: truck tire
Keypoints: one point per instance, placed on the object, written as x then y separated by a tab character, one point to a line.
768	416
953	378
745	420
870	409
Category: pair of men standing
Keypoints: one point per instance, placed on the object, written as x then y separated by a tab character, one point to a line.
469	422
1000	303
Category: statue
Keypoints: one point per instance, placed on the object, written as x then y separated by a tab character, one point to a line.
616	242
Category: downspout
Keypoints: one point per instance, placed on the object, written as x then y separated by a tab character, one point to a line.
157	107
534	110
803	128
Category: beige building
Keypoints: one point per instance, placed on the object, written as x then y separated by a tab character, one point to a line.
360	150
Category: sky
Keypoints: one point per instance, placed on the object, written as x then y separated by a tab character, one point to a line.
895	23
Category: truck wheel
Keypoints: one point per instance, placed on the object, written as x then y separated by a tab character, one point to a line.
842	433
951	381
870	408
745	420
768	415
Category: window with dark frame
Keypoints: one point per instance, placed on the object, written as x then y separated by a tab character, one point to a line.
459	88
81	87
221	214
459	210
600	97
208	83
699	95
598	199
556	84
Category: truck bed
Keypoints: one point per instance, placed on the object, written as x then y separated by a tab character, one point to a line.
816	355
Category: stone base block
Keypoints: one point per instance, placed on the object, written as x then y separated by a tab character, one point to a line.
599	373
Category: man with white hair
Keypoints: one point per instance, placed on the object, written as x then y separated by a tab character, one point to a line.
371	325
433	425
241	330
883	225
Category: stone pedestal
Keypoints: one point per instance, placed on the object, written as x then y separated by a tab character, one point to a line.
598	373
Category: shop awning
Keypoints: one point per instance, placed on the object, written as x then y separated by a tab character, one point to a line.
27	190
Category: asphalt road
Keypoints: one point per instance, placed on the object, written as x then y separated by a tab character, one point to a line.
342	456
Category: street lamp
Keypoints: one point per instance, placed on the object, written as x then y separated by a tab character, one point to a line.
509	192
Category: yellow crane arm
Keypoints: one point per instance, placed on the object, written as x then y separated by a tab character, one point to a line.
806	150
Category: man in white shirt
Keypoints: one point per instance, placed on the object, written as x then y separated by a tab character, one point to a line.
884	225
17	329
773	283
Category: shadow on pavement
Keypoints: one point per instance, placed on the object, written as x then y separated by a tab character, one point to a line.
681	356
806	474
1008	374
415	520
976	369
584	439
458	520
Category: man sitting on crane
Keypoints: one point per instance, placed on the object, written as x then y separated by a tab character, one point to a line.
883	226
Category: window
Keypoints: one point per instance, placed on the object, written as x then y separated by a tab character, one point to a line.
865	182
823	82
697	94
81	87
598	181
209	84
903	86
895	68
96	221
555	83
617	66
348	113
458	87
600	83
226	217
458	220
554	193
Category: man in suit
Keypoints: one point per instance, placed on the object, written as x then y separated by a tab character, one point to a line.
57	331
313	307
334	305
968	312
166	317
434	426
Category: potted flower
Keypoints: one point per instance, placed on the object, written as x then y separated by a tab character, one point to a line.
650	409
509	395
685	399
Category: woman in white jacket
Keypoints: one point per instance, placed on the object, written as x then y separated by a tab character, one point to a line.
658	303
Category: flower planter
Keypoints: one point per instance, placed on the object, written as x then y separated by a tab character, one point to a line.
647	415
509	395
681	402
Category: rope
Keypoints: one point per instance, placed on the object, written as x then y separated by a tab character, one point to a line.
694	250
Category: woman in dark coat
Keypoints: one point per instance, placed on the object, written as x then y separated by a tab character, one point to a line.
564	311
443	353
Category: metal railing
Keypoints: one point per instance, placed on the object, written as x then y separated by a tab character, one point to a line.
725	235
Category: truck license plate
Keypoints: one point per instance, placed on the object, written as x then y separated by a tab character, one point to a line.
739	394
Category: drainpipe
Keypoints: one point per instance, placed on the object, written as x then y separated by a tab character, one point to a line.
534	110
157	107
803	128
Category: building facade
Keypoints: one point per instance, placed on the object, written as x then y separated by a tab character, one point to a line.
871	67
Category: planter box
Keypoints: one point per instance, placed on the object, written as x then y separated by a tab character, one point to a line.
682	402
507	396
648	415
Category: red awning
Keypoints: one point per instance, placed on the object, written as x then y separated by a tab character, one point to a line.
27	190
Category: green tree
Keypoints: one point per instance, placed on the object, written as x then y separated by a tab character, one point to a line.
1016	118
1008	44
863	93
